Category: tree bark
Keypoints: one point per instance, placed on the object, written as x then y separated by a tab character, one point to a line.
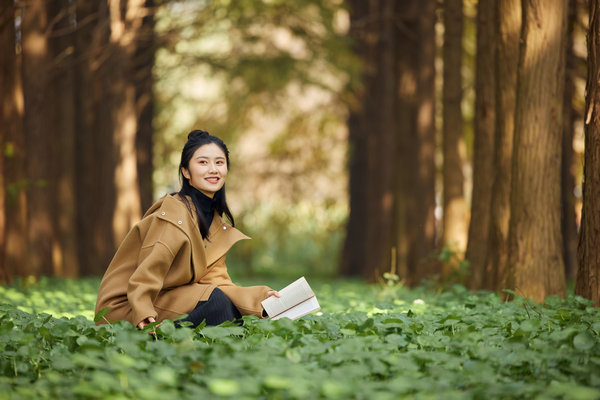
535	260
354	254
375	121
407	55
588	250
64	206
39	108
8	114
454	205
143	62
569	219
508	17
13	152
95	161
421	222
483	148
125	26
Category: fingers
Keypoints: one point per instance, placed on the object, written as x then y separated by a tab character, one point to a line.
273	293
145	322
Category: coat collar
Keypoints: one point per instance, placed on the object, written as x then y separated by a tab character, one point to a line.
221	235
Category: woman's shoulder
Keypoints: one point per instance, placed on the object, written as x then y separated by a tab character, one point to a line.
171	207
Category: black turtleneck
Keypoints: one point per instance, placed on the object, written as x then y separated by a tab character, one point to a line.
206	204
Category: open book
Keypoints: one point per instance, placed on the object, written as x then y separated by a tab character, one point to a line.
297	299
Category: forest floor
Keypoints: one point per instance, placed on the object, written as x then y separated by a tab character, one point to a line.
367	342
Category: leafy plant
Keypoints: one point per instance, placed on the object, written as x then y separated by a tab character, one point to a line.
366	344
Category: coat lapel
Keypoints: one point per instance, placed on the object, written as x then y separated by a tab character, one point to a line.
221	236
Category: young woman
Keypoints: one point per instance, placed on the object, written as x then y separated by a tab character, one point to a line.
172	262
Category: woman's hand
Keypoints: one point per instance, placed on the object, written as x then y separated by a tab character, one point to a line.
269	294
145	322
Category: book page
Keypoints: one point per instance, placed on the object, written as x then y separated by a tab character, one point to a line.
294	293
300	310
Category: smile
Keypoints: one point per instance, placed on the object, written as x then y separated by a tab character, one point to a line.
213	179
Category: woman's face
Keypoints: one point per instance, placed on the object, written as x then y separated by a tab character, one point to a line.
207	169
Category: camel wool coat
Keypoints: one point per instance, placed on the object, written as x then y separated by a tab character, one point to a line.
163	267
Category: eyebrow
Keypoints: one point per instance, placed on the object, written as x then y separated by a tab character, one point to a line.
218	157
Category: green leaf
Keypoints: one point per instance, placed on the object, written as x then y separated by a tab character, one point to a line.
277	382
224	387
101	314
584	341
60	362
293	355
164	375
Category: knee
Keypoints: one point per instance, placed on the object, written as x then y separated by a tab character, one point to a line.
218	296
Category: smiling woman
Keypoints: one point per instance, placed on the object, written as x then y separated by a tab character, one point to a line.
172	262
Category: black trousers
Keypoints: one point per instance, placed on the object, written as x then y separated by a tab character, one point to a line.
216	310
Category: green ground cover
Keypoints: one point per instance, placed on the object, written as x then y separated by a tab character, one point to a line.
369	342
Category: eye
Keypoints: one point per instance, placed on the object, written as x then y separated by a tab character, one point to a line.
220	162
202	162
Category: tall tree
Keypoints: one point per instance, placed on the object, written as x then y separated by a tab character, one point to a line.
13	150
407	61
508	17
454	205
126	21
483	148
38	136
588	251
392	135
7	112
372	125
569	220
93	144
421	217
113	94
144	57
62	181
535	260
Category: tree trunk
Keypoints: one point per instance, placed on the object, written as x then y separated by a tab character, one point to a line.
95	161
375	121
354	254
407	55
568	220
454	206
64	206
483	148
535	260
508	17
15	180
39	108
119	76
8	114
588	250
421	222
143	62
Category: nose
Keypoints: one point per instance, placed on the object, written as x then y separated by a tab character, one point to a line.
212	167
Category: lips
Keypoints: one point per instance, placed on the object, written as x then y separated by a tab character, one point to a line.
213	179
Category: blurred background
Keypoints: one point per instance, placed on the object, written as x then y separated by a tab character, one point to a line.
352	127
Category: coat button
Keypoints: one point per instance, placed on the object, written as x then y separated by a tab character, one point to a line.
179	222
163	213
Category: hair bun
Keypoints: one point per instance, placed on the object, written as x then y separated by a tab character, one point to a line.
197	133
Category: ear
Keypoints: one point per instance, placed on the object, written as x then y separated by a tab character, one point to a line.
185	173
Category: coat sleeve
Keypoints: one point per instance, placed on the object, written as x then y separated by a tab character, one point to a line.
145	283
246	299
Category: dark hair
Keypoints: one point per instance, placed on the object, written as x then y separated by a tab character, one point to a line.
196	139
